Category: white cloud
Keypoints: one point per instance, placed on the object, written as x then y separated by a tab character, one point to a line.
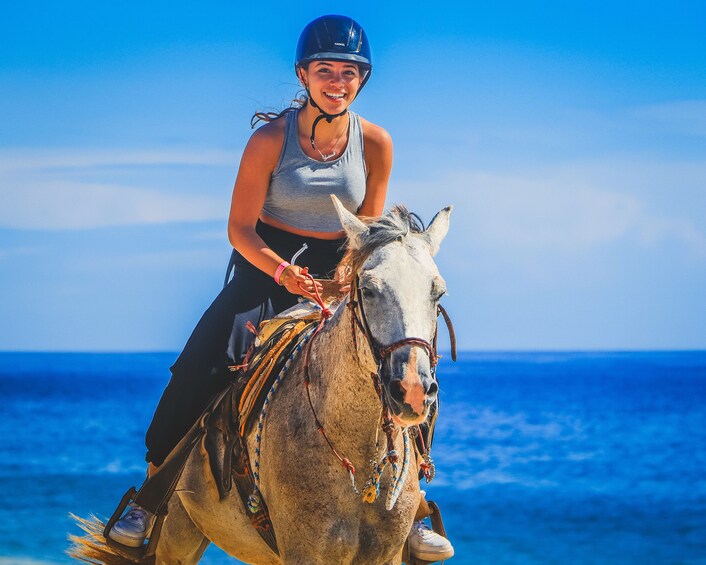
529	212
43	190
8	253
687	116
193	259
566	208
558	209
40	159
61	206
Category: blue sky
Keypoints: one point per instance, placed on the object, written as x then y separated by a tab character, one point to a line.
570	138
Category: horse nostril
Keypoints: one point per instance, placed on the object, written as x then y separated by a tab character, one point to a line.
396	391
432	390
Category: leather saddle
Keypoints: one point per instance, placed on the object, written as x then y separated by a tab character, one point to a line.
221	430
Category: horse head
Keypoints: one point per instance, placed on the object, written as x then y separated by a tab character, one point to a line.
395	292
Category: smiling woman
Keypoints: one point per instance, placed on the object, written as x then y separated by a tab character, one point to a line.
282	205
337	83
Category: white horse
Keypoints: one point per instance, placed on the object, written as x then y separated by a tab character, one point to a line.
385	332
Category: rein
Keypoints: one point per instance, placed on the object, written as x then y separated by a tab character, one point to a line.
325	315
380	353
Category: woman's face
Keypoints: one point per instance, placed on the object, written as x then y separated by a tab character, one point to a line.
332	84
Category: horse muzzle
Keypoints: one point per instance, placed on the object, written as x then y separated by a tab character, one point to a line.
411	389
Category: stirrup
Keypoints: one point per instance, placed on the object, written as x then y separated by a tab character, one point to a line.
437	525
135	554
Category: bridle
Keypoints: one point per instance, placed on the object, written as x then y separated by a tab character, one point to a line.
380	352
359	321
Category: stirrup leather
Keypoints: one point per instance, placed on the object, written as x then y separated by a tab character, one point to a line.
437	524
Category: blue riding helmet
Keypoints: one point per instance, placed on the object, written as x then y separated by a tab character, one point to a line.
335	38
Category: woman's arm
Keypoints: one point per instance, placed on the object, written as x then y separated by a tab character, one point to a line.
378	160
256	166
249	193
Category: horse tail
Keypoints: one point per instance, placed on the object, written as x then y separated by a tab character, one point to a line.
92	548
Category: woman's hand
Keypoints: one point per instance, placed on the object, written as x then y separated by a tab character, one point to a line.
294	279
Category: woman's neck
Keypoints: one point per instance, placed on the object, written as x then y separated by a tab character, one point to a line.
326	133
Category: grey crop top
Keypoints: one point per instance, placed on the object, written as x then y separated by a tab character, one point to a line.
300	186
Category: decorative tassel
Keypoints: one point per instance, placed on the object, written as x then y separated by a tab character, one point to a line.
428	468
351	475
397	481
370	494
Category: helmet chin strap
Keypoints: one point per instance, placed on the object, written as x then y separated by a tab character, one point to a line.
322	116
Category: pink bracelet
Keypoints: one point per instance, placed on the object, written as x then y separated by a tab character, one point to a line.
280	269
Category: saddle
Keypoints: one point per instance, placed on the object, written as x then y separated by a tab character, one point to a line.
221	431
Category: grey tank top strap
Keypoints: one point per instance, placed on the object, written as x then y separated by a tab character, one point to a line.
300	187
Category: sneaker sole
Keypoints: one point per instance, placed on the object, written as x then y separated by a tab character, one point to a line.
440	556
125	540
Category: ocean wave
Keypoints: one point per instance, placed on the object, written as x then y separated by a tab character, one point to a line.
119	467
468	480
485	423
6	560
62	467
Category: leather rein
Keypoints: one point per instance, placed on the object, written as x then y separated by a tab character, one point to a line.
380	353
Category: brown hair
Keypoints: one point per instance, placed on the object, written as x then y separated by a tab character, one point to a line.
299	101
267	117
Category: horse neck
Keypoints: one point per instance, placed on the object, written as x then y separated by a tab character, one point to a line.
341	381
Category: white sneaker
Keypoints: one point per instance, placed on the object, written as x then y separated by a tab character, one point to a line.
426	544
133	527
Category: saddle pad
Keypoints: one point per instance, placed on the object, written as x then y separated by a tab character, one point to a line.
306	309
266	362
300	312
227	460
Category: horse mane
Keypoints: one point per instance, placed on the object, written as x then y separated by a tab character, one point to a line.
397	224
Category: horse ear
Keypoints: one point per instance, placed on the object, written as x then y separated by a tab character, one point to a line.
351	224
438	228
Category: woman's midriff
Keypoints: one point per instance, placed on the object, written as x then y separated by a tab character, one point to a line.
270	221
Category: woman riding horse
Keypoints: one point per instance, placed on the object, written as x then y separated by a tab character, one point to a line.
281	205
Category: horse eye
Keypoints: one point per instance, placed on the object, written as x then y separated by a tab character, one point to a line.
367	292
438	289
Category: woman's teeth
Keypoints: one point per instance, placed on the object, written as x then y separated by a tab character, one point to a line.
334	96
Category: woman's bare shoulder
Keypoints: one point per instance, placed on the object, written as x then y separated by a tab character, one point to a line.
375	135
269	134
264	146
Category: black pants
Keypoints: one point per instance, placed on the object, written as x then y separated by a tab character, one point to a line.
221	339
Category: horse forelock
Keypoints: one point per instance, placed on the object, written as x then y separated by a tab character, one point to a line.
397	225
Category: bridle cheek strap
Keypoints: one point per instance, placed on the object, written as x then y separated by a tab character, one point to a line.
449	326
380	353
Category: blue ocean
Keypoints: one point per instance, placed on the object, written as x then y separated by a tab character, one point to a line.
541	457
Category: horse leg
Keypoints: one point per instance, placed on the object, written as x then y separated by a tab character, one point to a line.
181	542
397	560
